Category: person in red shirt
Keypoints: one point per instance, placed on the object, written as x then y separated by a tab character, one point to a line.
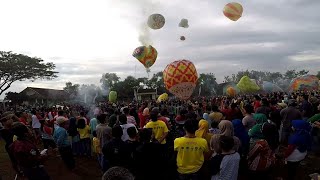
257	102
27	155
22	118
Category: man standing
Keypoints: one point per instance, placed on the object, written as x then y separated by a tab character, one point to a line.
288	114
61	138
191	152
104	134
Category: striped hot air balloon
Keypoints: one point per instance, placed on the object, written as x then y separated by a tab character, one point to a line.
180	78
233	11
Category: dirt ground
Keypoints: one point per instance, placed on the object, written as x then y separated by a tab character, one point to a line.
87	169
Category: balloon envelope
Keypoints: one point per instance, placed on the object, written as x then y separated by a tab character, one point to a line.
113	96
163	97
156	21
230	89
180	78
147	55
246	85
184	23
233	11
304	83
270	87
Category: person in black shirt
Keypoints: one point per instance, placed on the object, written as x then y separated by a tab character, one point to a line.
115	152
132	144
150	164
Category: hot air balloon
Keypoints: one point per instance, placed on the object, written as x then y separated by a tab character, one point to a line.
180	78
233	11
270	87
163	97
305	83
156	21
230	89
184	23
113	96
246	85
182	38
147	55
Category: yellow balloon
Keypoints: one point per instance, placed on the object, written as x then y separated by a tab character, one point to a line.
163	97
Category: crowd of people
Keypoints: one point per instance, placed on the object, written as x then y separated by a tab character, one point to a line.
221	138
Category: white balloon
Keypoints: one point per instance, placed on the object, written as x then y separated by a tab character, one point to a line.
156	21
184	23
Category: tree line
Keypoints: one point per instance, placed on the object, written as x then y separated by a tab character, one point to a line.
18	67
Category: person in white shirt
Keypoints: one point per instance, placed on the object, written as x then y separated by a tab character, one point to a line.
36	124
125	126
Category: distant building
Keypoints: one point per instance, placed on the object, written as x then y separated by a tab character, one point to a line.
44	96
145	94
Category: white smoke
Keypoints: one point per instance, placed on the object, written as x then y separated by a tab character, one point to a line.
148	7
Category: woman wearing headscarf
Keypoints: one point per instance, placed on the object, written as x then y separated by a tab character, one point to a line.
298	145
203	131
226	129
241	132
207	118
256	132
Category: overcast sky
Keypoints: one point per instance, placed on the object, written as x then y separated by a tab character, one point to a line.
86	38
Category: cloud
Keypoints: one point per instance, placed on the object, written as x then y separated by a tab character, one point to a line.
86	39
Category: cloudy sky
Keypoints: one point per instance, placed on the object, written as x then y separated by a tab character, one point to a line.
86	38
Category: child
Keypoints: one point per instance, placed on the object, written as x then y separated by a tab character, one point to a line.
46	135
97	148
226	164
214	128
84	132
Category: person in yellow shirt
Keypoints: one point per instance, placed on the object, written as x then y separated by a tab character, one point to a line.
159	128
191	151
97	148
85	142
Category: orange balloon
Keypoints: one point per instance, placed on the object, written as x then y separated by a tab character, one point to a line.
231	91
180	78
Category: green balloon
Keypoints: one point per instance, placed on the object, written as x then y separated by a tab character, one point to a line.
113	96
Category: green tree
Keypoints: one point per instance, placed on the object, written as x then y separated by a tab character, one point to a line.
156	82
109	80
16	98
318	75
19	67
291	74
227	79
72	89
206	85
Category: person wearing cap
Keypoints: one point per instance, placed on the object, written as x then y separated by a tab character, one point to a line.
61	138
26	154
288	114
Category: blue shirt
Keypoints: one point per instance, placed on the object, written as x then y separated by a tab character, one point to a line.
61	137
